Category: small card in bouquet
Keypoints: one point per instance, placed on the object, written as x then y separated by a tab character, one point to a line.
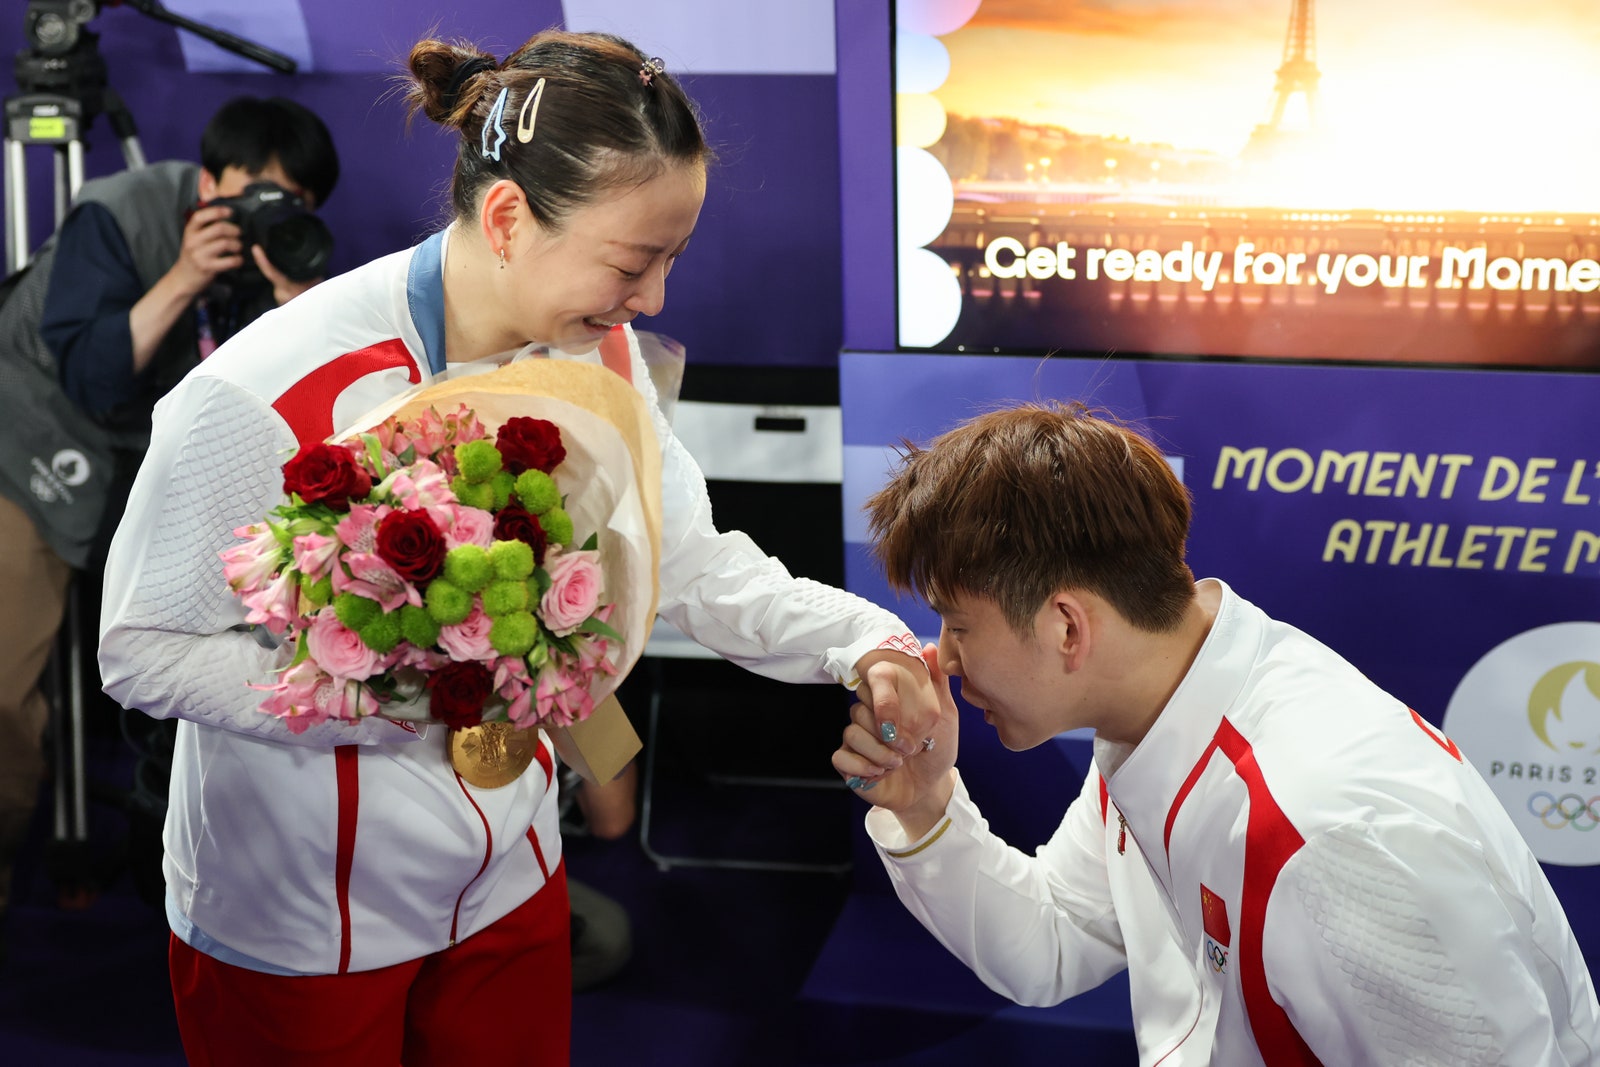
599	746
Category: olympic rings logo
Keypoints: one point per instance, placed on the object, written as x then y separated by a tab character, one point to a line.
1217	955
1568	810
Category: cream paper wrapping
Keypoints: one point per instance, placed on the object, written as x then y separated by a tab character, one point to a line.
611	479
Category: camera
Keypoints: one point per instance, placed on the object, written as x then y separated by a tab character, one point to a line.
53	26
294	240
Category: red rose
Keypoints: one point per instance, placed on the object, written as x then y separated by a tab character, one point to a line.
409	542
516	523
530	444
326	474
457	692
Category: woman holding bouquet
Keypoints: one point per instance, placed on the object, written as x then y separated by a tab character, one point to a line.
339	894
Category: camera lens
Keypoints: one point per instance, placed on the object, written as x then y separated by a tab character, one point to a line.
295	241
299	245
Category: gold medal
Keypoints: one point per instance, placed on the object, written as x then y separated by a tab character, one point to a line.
492	754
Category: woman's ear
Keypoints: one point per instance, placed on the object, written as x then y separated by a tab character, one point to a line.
503	213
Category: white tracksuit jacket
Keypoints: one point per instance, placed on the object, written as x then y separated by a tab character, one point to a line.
352	847
1310	874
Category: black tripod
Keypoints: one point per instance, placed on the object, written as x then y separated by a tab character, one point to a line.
62	78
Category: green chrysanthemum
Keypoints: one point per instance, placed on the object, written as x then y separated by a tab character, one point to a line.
557	526
537	491
511	560
467	567
354	612
318	592
473	494
382	632
447	604
503	597
513	634
417	626
502	484
478	461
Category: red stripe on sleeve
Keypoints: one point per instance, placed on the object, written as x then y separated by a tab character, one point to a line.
307	405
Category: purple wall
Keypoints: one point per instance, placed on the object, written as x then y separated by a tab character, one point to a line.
761	284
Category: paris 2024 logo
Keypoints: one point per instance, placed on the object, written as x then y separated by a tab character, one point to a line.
1528	716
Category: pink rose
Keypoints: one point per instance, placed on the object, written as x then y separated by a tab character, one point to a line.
469	526
337	650
574	591
468	639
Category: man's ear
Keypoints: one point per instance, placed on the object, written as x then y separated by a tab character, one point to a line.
1075	633
504	214
208	185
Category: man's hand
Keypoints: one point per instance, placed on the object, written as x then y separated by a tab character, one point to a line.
211	245
284	289
917	788
901	694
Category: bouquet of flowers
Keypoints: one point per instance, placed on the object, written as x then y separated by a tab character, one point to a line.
585	609
424	559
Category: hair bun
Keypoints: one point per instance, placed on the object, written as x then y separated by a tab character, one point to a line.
448	97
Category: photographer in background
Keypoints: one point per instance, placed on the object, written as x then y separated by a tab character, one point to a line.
151	270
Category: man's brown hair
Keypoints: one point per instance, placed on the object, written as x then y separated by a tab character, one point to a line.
1018	504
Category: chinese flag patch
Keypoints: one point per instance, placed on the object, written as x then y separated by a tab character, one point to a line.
1214	914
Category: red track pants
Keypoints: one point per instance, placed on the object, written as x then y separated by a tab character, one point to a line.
504	995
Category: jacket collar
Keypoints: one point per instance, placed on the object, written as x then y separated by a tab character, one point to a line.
1144	780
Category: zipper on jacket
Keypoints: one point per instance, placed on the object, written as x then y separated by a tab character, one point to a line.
1122	834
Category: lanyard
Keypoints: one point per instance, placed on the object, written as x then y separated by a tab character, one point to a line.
425	298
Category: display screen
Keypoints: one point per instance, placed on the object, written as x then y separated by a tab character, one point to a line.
1277	179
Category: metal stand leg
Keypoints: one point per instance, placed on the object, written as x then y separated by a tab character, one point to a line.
56	121
71	861
72	811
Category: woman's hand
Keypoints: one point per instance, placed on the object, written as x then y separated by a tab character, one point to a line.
916	787
902	696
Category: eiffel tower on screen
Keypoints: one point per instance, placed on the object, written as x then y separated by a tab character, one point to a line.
1298	76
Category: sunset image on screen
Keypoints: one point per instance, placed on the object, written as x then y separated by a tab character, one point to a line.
1402	182
1473	105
